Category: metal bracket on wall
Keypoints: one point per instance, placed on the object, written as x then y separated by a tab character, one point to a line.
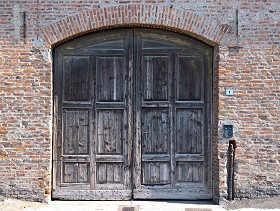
24	25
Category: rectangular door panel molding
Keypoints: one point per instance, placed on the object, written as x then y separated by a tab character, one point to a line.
156	173
189	172
189	131
75	172
110	131
155	74
189	78
110	78
155	131
109	173
76	132
76	81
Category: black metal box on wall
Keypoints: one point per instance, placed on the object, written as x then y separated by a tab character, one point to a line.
228	131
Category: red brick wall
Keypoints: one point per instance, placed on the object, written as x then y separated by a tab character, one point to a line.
253	71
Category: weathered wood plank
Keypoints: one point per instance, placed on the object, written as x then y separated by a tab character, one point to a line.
92	194
101	171
197	172
186	194
76	158
156	157
189	157
184	172
75	172
110	158
83	140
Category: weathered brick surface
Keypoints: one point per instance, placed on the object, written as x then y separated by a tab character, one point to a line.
253	71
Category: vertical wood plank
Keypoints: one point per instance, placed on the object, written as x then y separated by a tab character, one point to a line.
83	173
83	132
69	174
93	137
56	153
164	175
189	171
101	173
117	173
125	172
70	133
110	173
197	172
149	78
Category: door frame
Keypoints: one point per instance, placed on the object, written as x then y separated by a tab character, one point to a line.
209	117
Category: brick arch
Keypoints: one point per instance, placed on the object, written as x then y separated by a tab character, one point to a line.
128	15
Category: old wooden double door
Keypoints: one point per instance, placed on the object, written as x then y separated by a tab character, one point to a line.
132	117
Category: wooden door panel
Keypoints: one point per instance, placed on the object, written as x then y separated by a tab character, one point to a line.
109	173
110	131
155	77
75	172
76	80
189	78
75	143
189	172
189	131
110	78
155	131
155	146
76	132
156	173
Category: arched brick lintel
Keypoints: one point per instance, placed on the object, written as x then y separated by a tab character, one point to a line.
127	15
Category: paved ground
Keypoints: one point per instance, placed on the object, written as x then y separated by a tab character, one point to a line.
272	203
244	205
14	205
